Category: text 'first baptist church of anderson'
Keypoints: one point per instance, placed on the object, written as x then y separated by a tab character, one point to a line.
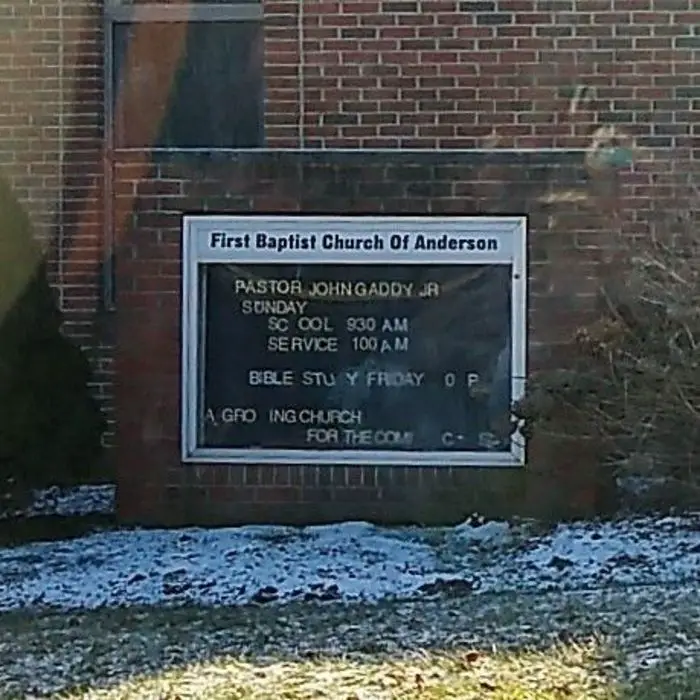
333	242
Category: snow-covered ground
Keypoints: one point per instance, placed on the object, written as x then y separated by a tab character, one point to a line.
350	561
81	500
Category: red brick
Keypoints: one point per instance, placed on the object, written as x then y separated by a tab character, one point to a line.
233	494
365	57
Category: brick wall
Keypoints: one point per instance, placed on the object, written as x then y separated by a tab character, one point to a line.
565	260
395	74
462	73
50	133
356	73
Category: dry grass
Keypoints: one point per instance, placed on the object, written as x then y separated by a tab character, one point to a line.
617	644
571	671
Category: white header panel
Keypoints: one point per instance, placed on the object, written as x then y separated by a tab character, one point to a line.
358	240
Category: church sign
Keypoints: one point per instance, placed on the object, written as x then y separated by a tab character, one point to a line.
360	340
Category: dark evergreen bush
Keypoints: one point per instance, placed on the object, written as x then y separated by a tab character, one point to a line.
50	424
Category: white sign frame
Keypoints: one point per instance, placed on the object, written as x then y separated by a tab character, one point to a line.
210	239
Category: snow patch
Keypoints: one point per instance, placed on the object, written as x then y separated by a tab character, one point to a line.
493	534
681	653
75	501
347	562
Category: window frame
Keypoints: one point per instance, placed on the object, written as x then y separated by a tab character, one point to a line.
117	12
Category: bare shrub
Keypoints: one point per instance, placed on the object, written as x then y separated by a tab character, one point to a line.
634	377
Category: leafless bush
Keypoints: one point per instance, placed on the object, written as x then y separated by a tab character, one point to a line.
634	377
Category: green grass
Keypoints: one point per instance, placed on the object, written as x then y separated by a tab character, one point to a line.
580	646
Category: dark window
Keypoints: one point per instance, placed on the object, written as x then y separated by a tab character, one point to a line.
196	84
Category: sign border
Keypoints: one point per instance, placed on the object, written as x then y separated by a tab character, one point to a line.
194	226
